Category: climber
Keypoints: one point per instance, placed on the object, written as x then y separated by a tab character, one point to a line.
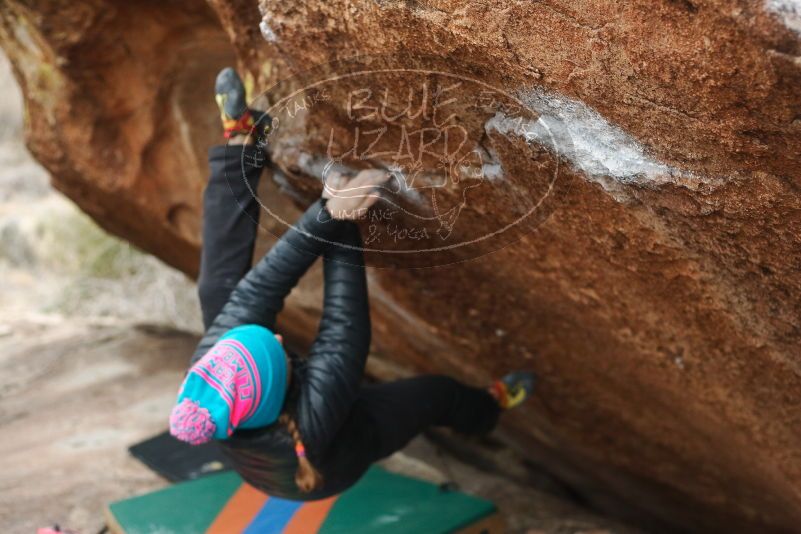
301	428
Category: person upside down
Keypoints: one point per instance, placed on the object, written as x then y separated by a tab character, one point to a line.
293	427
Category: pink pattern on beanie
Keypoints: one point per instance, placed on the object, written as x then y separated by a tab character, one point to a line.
191	423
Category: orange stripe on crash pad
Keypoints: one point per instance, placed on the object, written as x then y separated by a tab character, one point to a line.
239	511
310	517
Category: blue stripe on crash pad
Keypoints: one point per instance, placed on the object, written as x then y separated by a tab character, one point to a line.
273	516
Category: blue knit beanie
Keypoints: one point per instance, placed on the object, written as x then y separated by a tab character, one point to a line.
239	383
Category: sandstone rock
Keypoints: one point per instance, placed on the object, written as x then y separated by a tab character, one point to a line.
657	291
114	110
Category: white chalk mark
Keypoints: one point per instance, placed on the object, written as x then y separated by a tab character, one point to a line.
604	152
492	171
789	11
266	31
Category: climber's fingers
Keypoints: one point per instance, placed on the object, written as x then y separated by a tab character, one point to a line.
351	200
337	185
369	199
333	183
370	178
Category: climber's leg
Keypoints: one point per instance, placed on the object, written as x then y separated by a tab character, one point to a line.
230	221
385	417
401	410
230	207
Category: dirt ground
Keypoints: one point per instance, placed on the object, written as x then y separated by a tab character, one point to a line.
74	395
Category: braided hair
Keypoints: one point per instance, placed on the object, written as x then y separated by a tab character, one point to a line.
307	477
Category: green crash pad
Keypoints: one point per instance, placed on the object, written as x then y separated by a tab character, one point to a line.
222	503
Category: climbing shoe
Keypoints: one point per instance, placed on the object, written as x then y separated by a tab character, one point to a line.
237	118
513	389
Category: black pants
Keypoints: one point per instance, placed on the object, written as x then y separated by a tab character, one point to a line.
384	417
402	409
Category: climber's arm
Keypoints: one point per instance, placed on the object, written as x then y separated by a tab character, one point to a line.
336	361
260	295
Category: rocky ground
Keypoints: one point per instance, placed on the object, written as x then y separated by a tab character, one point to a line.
94	336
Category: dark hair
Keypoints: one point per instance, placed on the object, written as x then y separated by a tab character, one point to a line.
307	477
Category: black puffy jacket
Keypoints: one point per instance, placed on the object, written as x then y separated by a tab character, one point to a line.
325	384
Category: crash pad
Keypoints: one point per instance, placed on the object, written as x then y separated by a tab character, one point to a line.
178	461
381	501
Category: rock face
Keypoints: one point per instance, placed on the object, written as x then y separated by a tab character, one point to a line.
644	155
114	111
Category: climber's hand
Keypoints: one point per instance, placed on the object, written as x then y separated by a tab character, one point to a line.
349	199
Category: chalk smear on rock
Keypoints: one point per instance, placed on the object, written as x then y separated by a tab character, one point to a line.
602	151
266	31
789	11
